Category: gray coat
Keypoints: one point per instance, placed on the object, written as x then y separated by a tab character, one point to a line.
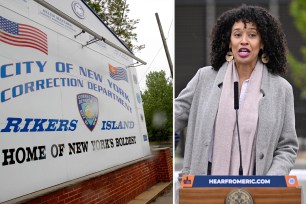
276	142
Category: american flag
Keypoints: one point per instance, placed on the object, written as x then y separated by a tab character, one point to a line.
23	35
117	73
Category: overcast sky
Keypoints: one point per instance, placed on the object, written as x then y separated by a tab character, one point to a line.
148	34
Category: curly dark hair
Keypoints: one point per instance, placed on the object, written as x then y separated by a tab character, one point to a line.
272	36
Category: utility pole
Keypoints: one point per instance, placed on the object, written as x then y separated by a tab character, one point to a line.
165	44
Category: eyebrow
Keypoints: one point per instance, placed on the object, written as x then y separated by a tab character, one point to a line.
242	29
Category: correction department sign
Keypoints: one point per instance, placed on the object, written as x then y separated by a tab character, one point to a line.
67	111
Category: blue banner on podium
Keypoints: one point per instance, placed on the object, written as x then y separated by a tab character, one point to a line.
190	181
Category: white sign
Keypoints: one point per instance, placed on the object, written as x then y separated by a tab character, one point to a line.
67	111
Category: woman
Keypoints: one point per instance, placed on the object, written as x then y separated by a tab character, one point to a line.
248	46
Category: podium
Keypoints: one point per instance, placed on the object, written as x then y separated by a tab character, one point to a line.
239	189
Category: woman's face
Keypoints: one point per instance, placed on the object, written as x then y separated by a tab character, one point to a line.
245	43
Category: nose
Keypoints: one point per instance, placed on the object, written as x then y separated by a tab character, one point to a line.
244	40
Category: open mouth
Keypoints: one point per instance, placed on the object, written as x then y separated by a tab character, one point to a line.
244	52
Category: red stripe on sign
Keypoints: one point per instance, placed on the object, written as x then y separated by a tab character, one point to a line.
35	30
22	43
18	39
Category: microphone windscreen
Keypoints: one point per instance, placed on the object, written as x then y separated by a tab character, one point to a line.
236	97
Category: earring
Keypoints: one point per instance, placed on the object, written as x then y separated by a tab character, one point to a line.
229	56
264	58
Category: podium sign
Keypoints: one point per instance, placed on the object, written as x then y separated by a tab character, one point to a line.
191	181
239	189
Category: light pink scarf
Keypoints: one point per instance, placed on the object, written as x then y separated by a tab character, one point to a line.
225	158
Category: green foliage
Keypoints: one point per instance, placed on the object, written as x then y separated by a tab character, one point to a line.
298	74
115	14
158	106
298	11
297	68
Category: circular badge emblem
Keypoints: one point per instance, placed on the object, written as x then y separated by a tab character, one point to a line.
291	181
78	9
239	196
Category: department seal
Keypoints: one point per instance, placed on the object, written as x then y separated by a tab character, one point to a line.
239	196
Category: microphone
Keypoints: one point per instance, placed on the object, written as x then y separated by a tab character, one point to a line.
236	97
236	107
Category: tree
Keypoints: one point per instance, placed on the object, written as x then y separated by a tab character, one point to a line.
115	14
298	69
158	106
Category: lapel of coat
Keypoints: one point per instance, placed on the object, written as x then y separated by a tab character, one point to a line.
214	99
220	75
209	113
263	132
